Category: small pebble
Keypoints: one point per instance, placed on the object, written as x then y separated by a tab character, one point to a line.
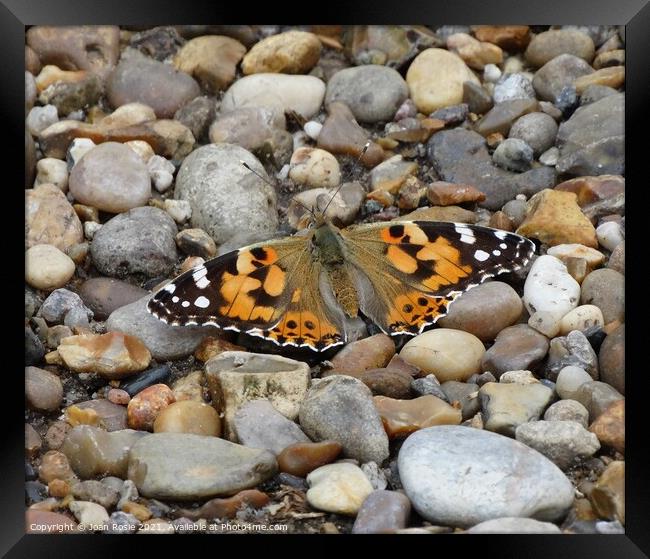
340	488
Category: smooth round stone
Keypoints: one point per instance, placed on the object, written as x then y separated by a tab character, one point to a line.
605	288
111	177
91	516
212	60
291	52
299	459
597	396
560	73
581	318
549	44
514	525
402	417
447	353
47	268
382	512
506	406
513	86
339	488
484	310
140	79
387	382
312	129
610	235
258	424
516	348
568	410
165	342
183	466
140	241
145	407
104	295
303	94
373	93
39	118
314	167
188	417
549	287
503	477
563	442
569	380
538	130
611	359
447	89
340	408
50	219
224	195
43	390
52	171
374	352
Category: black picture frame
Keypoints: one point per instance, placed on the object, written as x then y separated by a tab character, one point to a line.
634	14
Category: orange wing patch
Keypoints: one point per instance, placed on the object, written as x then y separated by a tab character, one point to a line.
413	310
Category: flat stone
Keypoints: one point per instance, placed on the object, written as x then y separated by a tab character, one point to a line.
382	512
105	295
517	347
182	466
403	417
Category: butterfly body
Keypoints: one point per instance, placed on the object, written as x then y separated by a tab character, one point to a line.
303	290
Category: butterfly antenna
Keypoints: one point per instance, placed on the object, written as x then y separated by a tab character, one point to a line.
363	152
310	210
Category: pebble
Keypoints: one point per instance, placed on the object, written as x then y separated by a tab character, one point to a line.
608	495
447	89
141	79
165	342
550	157
461	156
568	410
384	382
491	73
189	387
403	417
447	353
341	134
514	525
605	288
228	507
501	117
42	521
503	476
212	60
122	523
581	318
197	115
291	52
441	193
391	174
301	458
96	492
549	44
118	396
611	359
33	441
196	242
183	466
553	80
538	130
565	252
373	93
513	154
56	434
47	268
517	347
569	379
39	118
161	172
112	178
508	37
302	94
110	416
314	167
91	516
463	396
34	348
572	349
188	416
610	235
52	171
597	396
59	303
475	54
145	407
479	101
257	424
513	86
225	196
590	149
609	427
312	129
55	465
236	377
565	443
339	488
139	241
340	408
113	355
506	406
613	77
382	512
77	149
374	352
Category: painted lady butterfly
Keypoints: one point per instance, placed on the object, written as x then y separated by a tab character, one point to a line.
300	290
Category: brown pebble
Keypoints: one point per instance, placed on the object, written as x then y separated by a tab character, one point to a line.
609	426
226	508
442	193
118	396
75	415
55	465
188	416
499	220
301	458
58	488
56	434
209	347
145	406
33	441
141	512
46	522
370	353
402	417
608	494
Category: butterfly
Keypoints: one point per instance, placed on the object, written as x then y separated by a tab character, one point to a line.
303	290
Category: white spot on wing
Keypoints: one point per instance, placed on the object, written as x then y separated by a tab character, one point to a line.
202	302
503	246
481	255
202	283
467	239
496	252
185	304
170	288
200	272
175	299
500	234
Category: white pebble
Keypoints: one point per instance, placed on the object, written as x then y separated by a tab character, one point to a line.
315	167
46	267
52	171
549	287
312	129
142	148
545	322
610	235
339	488
581	318
90	228
284	172
491	73
80	147
161	172
518	377
180	210
39	118
593	257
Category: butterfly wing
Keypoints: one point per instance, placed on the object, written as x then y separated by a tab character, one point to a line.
407	273
268	289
